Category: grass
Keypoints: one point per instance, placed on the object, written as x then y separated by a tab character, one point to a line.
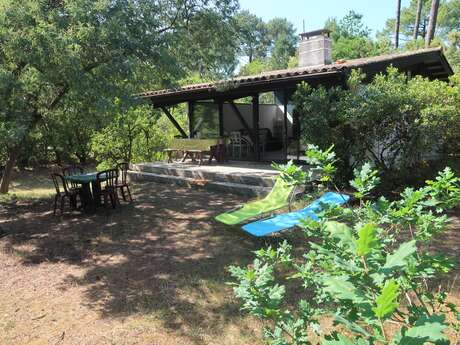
29	185
151	272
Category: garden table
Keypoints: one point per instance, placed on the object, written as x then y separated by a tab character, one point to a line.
89	188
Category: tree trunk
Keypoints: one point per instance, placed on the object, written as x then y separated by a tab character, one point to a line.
432	24
7	174
398	23
418	14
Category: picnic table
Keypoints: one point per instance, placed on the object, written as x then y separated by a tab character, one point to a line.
89	188
196	149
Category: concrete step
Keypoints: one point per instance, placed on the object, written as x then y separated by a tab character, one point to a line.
228	187
227	174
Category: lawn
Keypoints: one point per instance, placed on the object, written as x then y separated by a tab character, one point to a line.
151	272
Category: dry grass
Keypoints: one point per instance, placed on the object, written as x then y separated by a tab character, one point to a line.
151	272
29	185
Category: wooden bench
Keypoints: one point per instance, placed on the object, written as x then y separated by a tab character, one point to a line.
196	149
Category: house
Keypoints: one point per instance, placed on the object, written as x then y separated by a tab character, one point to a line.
271	131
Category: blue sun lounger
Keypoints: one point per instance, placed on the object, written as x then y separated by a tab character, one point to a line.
288	220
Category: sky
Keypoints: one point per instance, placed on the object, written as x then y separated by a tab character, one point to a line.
315	12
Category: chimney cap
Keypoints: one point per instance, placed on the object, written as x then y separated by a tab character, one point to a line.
324	32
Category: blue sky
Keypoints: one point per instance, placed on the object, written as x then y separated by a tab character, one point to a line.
315	12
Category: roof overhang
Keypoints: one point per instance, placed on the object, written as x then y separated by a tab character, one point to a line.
430	63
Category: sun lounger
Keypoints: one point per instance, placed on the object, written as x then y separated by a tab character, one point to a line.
276	199
288	220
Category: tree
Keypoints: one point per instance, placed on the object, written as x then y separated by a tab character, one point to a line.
283	42
252	35
417	18
398	23
432	24
351	38
57	53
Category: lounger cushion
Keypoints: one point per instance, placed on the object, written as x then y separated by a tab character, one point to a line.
288	220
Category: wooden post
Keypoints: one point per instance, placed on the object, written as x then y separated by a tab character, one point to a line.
221	118
255	126
285	132
190	109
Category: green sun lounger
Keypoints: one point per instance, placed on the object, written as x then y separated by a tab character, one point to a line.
276	199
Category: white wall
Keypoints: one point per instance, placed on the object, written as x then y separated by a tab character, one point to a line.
267	114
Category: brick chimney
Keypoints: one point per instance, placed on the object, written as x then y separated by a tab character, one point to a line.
315	48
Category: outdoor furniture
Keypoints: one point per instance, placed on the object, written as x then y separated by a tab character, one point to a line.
195	149
239	145
61	196
278	197
288	220
122	182
107	186
73	170
89	189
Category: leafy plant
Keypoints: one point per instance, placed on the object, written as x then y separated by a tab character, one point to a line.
367	267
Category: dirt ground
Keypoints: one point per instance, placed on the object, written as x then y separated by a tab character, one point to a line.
152	272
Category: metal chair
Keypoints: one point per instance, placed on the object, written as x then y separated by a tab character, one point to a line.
61	196
239	144
107	182
123	183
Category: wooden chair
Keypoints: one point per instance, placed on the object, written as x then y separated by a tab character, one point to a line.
123	183
107	182
73	170
61	196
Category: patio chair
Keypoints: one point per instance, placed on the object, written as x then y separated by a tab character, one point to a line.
107	184
61	196
288	220
239	144
73	170
278	197
123	183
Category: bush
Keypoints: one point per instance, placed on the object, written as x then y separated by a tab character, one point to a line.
395	123
367	267
135	135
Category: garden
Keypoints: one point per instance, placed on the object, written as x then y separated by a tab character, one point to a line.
175	263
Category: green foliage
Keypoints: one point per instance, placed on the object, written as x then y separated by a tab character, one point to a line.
351	39
321	165
366	266
134	135
395	122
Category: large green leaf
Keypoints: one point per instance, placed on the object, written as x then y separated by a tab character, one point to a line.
367	239
386	302
426	329
342	289
398	258
342	232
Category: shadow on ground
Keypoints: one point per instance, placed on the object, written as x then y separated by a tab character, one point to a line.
163	255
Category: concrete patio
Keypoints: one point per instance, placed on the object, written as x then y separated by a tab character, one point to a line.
244	178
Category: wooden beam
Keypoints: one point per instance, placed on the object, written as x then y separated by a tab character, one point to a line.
255	125
220	105
174	122
285	118
190	110
242	120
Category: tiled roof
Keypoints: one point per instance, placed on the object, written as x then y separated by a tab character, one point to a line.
270	76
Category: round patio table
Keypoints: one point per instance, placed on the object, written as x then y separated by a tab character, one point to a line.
89	189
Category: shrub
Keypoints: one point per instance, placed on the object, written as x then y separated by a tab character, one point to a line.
367	267
391	121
